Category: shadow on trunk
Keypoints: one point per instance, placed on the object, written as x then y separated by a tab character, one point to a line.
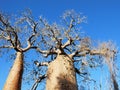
65	83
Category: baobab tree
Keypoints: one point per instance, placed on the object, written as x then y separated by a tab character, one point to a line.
64	43
21	37
66	46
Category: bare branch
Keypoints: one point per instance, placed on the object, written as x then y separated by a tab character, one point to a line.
5	46
67	43
29	41
8	37
50	29
86	51
3	21
1	29
41	63
35	85
5	37
115	84
78	72
71	24
82	74
47	52
37	81
11	33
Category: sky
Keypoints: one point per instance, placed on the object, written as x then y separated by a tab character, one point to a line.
103	18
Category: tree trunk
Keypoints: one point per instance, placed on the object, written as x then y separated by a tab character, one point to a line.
61	74
13	81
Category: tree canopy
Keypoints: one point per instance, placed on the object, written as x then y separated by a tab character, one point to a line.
52	39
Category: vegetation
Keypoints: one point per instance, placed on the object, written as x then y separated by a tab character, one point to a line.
71	53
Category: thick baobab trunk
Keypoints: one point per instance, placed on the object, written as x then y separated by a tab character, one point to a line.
13	81
61	74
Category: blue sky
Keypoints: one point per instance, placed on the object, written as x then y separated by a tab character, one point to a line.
103	18
102	15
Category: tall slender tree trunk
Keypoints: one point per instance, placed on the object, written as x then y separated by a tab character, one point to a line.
13	81
61	74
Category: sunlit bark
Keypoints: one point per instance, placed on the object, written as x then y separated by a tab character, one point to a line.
13	81
61	74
